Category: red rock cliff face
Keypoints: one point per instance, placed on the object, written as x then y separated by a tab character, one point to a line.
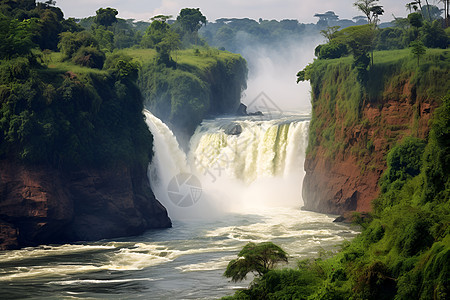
348	179
41	205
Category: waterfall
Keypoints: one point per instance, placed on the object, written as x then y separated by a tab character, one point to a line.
234	164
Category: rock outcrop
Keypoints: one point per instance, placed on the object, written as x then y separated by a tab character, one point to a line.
41	205
346	157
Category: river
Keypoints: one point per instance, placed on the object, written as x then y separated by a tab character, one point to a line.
240	182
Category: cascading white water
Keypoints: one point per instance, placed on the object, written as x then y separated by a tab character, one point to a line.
242	164
260	182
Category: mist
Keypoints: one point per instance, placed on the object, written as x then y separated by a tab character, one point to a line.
272	71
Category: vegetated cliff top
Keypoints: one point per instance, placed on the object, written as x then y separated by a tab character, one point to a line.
395	127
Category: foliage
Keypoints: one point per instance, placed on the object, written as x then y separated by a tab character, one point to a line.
331	50
72	120
89	57
161	37
71	42
329	32
122	66
434	36
207	83
154	34
16	37
370	9
256	258
191	19
106	16
360	41
105	38
415	19
431	12
404	251
418	50
82	48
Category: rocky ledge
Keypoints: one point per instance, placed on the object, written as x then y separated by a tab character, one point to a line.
42	205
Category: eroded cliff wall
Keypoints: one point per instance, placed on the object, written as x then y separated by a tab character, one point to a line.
41	204
74	151
355	124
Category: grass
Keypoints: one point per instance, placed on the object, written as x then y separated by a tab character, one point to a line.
57	65
337	94
144	56
200	58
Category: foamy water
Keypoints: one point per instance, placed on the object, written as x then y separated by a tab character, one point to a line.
183	262
250	192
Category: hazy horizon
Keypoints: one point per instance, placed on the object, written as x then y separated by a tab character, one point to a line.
301	10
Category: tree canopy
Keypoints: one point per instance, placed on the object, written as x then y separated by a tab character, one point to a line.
106	16
191	19
370	8
256	258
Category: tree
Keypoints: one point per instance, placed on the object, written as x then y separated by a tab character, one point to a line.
418	49
434	36
329	32
154	33
169	43
416	5
370	9
446	10
359	39
70	42
255	258
104	37
16	37
326	18
415	19
106	16
161	18
410	6
191	19
432	12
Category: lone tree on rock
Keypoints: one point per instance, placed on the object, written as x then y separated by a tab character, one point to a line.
255	258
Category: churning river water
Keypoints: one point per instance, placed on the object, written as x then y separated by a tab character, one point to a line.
249	173
183	262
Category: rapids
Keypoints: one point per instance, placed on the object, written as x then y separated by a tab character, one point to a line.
239	182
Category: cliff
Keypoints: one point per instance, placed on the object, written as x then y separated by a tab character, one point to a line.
354	125
205	83
74	150
42	205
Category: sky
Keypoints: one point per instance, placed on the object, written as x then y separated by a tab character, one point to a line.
302	10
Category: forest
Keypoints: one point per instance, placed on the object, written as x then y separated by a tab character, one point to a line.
72	90
72	94
403	251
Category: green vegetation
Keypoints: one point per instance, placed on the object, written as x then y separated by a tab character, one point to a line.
337	93
205	82
418	49
360	41
81	105
68	119
255	258
404	249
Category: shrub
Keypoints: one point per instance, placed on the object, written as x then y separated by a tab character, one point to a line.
434	36
332	50
89	57
404	162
